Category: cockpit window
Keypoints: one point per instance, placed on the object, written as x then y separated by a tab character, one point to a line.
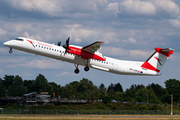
19	39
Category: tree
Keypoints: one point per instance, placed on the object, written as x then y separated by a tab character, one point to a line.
106	99
55	88
111	94
128	95
102	87
2	88
8	80
119	96
74	87
41	83
85	88
110	88
17	88
172	87
141	95
139	87
65	92
29	85
158	90
133	90
95	93
102	90
152	98
118	88
82	90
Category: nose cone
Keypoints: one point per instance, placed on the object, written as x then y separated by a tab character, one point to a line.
8	43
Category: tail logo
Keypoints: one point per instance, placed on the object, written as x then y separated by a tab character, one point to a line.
159	60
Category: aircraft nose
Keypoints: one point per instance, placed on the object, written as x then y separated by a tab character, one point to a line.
8	43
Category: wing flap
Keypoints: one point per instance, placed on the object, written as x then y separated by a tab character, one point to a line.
92	48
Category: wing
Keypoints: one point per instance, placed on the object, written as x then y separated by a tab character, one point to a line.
92	48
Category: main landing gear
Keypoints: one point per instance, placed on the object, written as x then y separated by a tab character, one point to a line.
76	70
10	51
85	68
86	63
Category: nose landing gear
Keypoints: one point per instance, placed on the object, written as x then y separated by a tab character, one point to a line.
10	51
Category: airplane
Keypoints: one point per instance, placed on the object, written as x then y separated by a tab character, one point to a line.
90	57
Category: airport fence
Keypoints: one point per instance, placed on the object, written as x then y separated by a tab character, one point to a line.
90	112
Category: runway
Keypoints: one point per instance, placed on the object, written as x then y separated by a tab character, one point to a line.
90	117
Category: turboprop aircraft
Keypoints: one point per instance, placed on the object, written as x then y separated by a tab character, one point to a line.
90	57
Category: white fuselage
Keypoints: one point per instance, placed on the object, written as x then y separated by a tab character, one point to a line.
57	52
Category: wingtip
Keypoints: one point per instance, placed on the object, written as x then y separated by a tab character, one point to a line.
171	49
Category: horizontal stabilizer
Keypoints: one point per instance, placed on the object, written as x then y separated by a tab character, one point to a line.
167	50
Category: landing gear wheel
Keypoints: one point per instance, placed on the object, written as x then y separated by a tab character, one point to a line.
86	68
10	51
86	62
76	71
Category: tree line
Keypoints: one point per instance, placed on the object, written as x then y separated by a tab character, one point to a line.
84	89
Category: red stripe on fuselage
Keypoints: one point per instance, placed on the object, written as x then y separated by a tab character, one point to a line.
149	66
84	54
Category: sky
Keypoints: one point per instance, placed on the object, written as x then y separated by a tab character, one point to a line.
130	30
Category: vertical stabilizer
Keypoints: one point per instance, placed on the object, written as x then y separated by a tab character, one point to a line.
156	61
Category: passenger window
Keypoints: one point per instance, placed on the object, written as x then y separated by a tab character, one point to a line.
49	48
44	47
41	46
57	50
54	49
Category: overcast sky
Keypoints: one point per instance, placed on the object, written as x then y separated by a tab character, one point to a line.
130	30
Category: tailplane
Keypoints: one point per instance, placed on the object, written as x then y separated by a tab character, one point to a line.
156	61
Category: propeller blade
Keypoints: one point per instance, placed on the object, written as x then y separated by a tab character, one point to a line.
67	45
67	41
59	43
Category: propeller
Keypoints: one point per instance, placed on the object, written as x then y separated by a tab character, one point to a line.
59	43
67	45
